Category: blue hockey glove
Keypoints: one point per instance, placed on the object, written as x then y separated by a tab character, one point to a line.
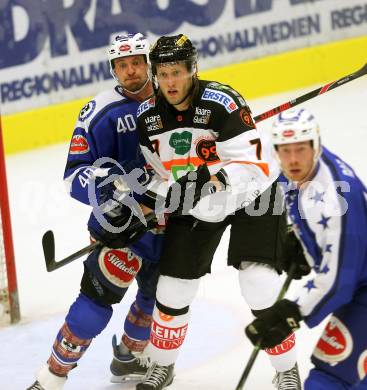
121	230
123	184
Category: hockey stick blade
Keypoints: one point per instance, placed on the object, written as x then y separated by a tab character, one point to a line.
310	95
48	243
257	349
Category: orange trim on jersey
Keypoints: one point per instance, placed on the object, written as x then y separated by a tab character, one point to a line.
263	166
196	161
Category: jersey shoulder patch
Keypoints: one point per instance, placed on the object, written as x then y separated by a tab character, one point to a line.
145	106
79	144
236	96
87	110
98	103
224	95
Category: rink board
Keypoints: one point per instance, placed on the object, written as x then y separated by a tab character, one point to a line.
260	77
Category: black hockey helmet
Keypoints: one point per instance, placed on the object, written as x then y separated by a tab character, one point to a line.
172	49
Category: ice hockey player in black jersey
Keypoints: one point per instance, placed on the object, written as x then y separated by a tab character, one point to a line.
212	169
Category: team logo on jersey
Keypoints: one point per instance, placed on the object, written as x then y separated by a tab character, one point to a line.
119	266
78	145
145	106
164	337
335	343
362	365
87	110
284	347
181	142
221	98
202	115
153	122
246	117
206	150
224	87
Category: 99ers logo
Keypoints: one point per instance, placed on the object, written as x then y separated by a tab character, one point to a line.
246	117
206	150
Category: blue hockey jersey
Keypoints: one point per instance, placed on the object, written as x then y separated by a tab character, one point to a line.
330	218
106	127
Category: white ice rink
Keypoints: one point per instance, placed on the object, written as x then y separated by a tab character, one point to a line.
215	351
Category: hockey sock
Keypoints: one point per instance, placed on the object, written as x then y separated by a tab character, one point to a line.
167	334
85	320
66	351
284	355
137	325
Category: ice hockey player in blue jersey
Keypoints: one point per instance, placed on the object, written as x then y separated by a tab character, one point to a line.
326	204
103	156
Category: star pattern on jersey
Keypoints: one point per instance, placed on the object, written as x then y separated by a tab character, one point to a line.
291	197
318	197
325	269
310	285
328	248
324	221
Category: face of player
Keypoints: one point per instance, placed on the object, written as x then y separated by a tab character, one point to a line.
175	82
132	72
297	160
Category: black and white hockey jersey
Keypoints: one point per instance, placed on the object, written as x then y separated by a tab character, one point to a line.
217	130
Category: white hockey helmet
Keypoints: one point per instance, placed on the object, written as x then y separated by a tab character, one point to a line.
296	125
128	45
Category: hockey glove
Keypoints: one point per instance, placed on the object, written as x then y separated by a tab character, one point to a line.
274	324
293	253
120	231
124	183
183	195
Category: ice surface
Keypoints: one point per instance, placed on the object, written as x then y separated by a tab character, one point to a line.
216	350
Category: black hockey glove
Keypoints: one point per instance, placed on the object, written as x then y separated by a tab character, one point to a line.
122	230
183	195
293	253
274	324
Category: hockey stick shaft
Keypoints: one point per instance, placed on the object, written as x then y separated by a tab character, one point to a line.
48	243
310	95
256	349
48	238
268	114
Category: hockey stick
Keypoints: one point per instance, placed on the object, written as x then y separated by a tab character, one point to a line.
48	241
268	114
48	244
310	95
256	349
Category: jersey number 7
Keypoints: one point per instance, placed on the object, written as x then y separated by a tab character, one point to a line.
257	143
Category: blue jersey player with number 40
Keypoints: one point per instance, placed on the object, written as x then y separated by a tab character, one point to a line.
104	168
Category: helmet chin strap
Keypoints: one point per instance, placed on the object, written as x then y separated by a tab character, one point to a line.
139	90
